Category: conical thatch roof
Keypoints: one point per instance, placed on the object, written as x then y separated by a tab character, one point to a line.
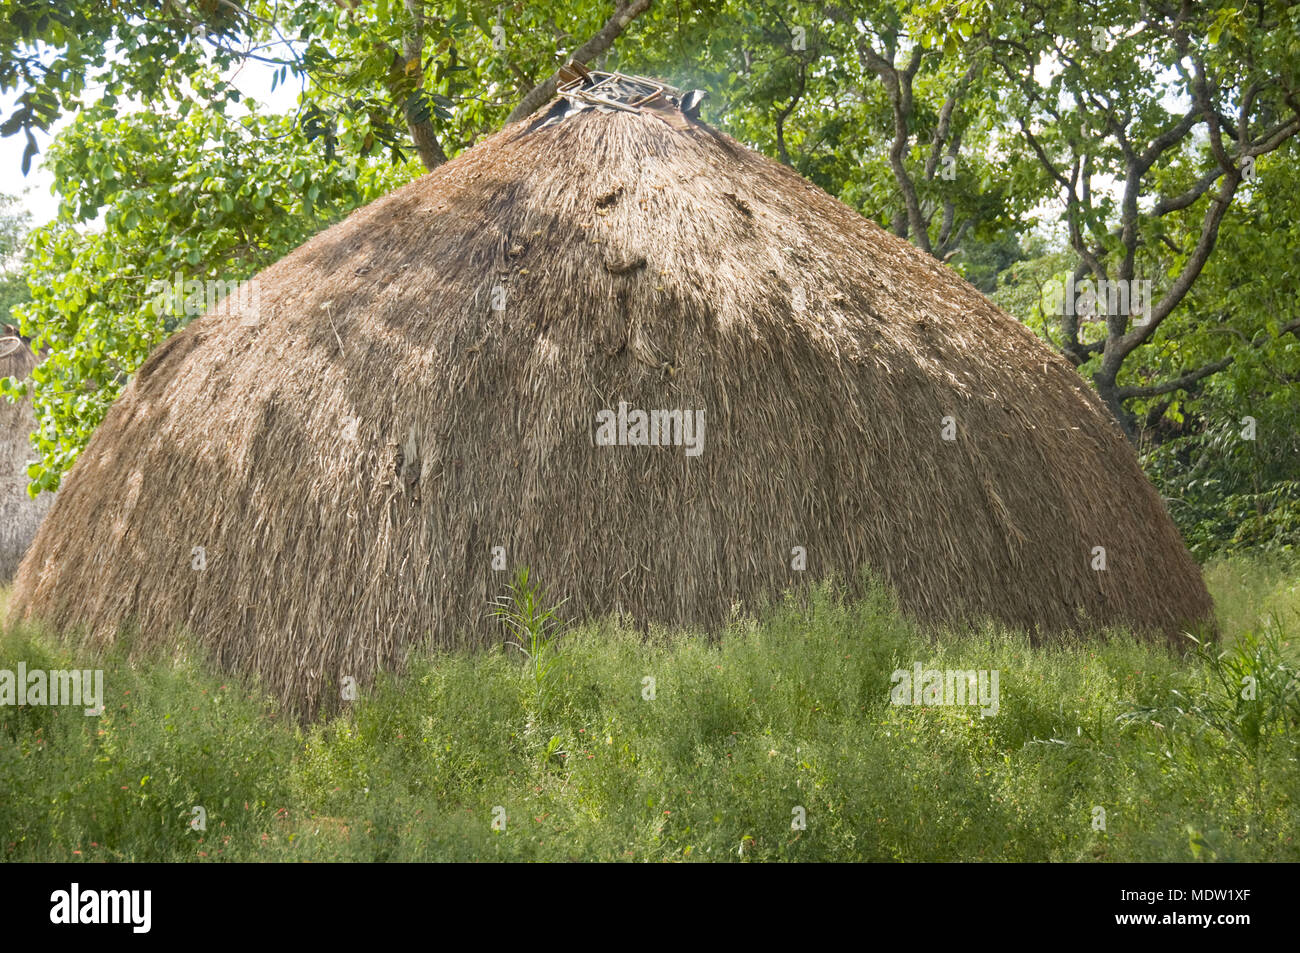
20	515
349	462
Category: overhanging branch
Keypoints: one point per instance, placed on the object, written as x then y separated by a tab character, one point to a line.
603	39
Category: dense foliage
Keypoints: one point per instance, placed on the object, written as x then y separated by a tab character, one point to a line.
180	196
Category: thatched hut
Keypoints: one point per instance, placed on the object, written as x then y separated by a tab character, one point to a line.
20	515
314	484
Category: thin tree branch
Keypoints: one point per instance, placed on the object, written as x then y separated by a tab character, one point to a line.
1185	381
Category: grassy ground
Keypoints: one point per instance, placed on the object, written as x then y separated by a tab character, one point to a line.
790	711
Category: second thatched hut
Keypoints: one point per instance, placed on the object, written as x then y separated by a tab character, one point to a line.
20	515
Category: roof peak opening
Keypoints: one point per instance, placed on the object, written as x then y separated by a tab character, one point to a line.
581	89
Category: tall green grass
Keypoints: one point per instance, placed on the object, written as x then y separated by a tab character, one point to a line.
790	710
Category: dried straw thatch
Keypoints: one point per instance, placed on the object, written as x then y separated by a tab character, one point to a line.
349	459
20	515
